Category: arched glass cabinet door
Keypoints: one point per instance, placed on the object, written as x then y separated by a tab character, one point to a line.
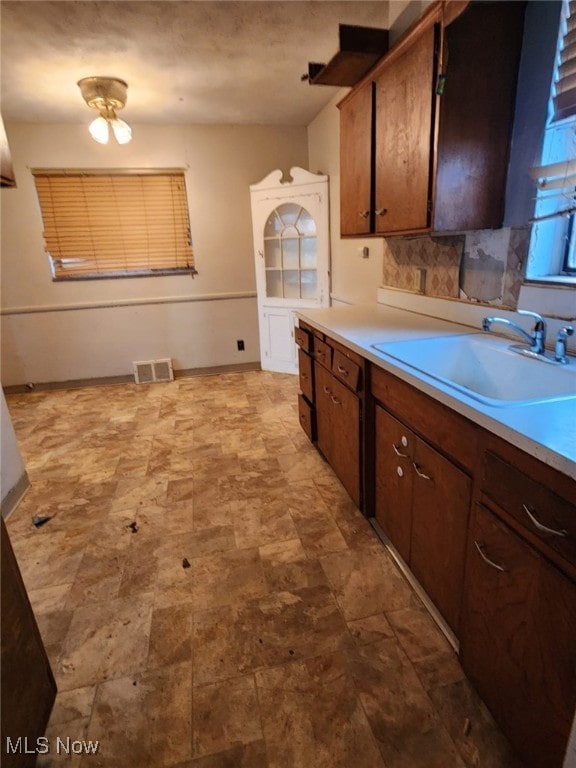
291	253
290	226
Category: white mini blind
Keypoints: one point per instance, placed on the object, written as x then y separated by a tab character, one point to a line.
565	81
115	224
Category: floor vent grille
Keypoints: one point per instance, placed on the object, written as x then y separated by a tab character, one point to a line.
147	371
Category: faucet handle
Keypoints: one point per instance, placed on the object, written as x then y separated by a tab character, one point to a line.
535	315
561	346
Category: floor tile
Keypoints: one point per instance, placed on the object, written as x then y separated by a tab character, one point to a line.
225	715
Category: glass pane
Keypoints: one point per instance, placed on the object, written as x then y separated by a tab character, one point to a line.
306	224
308	252
274	284
292	284
289	213
308	280
272	254
273	226
290	253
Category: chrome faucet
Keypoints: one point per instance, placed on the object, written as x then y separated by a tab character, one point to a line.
536	340
560	347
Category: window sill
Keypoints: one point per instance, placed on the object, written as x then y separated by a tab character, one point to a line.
552	281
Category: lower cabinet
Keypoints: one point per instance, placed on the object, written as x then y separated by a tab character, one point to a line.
517	639
422	503
338	429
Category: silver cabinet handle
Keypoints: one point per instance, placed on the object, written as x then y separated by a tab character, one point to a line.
537	524
343	370
420	473
381	211
399	453
364	214
480	548
327	391
335	400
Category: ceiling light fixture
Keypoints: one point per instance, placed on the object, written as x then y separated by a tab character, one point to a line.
106	94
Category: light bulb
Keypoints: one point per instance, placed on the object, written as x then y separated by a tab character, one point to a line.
99	130
122	131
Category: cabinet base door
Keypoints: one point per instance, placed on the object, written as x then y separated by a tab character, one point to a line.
517	640
440	507
394	475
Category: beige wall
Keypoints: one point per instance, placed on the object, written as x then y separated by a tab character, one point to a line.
75	330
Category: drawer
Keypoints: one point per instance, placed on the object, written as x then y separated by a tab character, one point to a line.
305	373
346	370
303	339
322	353
450	432
306	416
542	513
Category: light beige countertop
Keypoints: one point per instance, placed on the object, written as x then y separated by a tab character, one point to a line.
547	430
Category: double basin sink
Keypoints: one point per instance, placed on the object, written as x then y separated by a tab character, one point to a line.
485	369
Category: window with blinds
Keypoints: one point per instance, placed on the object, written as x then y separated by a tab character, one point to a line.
115	223
565	80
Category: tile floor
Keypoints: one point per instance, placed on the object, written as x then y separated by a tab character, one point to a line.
253	619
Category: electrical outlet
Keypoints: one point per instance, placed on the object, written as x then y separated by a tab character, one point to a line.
240	344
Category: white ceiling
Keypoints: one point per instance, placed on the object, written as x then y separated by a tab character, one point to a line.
221	62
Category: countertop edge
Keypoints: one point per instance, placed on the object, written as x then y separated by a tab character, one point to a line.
490	418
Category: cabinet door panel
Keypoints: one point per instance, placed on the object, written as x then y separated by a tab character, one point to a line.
394	475
338	429
550	672
346	438
324	411
305	373
517	640
356	163
440	507
404	123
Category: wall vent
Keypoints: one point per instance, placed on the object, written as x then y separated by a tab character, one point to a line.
147	371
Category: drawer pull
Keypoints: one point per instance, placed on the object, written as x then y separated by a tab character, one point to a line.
303	375
327	391
364	214
480	548
343	370
420	473
320	353
537	524
335	400
399	453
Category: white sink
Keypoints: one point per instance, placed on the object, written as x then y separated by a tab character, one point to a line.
486	369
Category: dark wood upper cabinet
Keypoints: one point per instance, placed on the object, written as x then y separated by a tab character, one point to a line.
482	57
356	158
403	137
441	117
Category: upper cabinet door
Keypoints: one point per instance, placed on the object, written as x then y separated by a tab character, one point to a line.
404	137
356	214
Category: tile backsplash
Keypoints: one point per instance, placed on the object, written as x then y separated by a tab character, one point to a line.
483	266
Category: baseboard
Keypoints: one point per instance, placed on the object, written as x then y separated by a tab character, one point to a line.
14	496
15	389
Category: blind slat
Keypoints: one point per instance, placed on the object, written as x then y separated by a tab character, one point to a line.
108	223
565	90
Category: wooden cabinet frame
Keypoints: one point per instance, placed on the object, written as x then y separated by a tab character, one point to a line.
447	138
